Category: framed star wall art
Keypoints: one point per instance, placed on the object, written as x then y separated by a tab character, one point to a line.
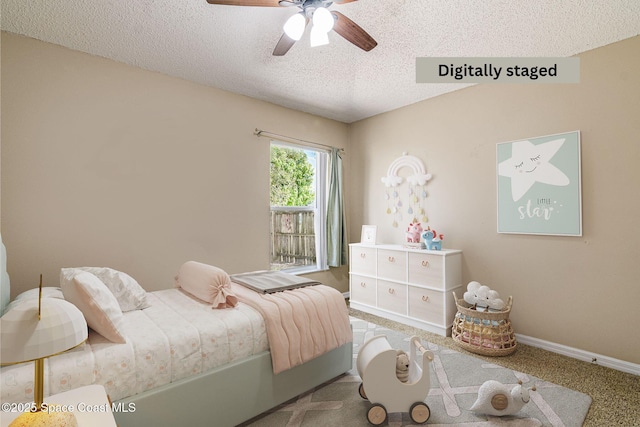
539	185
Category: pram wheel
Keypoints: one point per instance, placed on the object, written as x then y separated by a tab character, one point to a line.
377	414
361	391
419	413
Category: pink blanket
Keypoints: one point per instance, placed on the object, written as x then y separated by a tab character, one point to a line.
301	323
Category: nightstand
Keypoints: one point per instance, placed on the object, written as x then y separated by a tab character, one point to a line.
91	406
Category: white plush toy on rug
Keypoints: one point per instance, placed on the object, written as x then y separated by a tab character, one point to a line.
495	398
483	298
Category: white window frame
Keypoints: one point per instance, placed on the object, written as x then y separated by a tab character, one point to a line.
320	215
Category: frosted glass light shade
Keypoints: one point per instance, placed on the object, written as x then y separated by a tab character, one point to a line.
294	27
24	337
323	20
318	37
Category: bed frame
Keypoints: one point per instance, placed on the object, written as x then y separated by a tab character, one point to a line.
231	394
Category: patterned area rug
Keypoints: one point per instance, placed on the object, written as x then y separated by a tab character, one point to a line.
455	379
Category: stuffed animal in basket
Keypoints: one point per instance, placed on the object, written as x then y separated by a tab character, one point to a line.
413	232
483	298
495	398
402	366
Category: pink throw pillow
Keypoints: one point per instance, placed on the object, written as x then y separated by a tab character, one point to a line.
98	305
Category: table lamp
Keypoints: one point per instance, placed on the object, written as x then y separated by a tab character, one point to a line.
36	329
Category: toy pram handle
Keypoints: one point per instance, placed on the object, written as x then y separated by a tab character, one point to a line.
417	344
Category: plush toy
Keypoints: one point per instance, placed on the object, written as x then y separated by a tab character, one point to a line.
402	366
483	298
413	232
495	398
432	241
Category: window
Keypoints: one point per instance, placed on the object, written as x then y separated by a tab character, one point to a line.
298	208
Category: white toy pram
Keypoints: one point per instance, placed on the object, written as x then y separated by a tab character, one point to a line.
376	365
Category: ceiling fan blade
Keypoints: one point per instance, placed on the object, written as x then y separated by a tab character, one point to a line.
283	46
285	43
353	32
265	3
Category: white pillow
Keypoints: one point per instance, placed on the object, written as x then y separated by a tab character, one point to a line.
130	295
95	301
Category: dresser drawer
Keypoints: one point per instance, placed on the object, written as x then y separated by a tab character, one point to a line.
426	269
363	260
363	289
392	296
392	265
426	304
406	284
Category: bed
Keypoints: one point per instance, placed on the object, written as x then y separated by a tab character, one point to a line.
184	363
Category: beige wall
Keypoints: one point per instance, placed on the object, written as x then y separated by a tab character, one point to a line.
112	165
106	164
582	292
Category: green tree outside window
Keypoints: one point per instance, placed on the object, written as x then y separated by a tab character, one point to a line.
291	177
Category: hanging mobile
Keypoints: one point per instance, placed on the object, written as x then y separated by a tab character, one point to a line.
416	182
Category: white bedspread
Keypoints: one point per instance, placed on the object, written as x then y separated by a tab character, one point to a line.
177	336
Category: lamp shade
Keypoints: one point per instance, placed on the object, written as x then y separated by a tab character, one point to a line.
317	37
25	337
323	19
294	27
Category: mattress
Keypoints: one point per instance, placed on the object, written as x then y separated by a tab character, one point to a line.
175	337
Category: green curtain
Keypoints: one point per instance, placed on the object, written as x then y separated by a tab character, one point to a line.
337	246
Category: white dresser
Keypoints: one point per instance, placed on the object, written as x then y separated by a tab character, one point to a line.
410	286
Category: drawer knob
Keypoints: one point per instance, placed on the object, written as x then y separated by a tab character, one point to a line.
392	259
363	284
363	255
425	298
425	263
392	291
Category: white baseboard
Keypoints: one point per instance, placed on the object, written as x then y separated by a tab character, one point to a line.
598	359
346	295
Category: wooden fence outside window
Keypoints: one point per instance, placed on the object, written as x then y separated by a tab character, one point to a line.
293	241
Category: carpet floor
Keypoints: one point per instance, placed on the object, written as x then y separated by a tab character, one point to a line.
615	395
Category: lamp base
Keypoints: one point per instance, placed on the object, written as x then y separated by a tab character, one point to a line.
45	419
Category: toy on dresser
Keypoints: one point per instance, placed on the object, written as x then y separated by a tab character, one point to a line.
432	240
413	232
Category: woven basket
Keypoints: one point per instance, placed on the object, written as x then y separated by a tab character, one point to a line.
481	332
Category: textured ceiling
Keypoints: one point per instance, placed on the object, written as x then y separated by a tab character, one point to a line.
229	47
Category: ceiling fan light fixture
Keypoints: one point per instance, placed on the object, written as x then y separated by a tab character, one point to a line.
318	37
294	27
323	20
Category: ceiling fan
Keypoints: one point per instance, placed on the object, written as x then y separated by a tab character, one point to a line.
323	22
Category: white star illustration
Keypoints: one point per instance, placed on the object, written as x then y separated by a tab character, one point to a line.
529	164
